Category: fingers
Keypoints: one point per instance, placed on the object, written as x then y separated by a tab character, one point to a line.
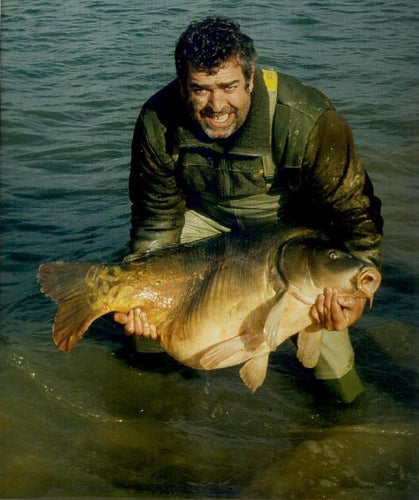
338	319
349	302
141	325
136	323
317	310
328	312
153	332
336	312
314	311
352	308
128	321
121	318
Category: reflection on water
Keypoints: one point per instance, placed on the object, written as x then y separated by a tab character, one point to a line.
105	421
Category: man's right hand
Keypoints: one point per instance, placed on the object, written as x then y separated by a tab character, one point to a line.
135	323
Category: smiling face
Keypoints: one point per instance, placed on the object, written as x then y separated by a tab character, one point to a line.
218	102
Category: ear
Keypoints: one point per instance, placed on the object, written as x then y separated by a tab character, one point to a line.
182	89
252	80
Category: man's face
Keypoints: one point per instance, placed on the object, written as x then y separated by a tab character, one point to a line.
219	103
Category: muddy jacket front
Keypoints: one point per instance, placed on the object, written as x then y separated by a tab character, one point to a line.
297	164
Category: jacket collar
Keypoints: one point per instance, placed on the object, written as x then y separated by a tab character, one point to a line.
253	138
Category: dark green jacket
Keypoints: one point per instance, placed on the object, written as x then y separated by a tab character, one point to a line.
318	178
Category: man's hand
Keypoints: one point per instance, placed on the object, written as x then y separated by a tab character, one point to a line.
336	313
136	323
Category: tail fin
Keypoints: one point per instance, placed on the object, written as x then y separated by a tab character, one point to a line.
64	283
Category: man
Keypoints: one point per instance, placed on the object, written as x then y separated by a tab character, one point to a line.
228	146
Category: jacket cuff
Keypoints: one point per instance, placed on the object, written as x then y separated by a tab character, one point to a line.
143	241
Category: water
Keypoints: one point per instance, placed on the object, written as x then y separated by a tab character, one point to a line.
102	422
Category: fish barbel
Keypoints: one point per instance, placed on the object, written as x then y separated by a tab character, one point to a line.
218	302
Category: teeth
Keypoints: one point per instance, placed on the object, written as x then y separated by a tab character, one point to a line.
220	118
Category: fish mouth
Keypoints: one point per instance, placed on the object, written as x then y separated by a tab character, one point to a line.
368	282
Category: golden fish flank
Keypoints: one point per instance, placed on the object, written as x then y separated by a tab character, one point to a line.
113	286
216	303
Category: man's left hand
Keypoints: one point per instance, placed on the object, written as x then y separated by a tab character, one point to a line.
336	313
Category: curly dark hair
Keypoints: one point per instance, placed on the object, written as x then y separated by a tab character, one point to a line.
209	43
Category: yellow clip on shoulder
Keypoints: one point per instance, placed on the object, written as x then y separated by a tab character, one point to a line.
270	77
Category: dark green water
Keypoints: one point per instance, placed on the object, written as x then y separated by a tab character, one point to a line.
103	423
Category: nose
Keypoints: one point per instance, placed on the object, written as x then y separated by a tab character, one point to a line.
217	100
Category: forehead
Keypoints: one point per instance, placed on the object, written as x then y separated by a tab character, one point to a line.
228	72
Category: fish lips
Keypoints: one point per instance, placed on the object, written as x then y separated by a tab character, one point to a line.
368	281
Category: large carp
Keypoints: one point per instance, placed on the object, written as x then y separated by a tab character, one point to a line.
216	303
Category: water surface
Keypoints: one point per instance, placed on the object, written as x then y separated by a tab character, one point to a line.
103	422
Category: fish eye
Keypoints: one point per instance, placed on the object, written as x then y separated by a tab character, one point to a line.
333	255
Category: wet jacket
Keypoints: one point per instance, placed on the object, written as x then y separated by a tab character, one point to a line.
315	177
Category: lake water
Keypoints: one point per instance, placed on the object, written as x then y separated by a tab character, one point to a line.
102	422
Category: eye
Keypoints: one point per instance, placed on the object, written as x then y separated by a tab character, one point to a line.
199	90
333	255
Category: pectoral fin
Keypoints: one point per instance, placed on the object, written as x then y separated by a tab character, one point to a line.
246	348
233	351
229	352
253	373
309	345
285	319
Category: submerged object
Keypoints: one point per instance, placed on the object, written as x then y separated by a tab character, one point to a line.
218	302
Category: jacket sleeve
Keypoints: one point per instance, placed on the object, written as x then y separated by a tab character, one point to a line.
339	190
157	200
